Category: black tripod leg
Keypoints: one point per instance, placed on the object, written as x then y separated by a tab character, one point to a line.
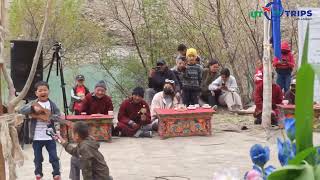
50	68
65	103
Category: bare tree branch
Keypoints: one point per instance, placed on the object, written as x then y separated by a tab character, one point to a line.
13	102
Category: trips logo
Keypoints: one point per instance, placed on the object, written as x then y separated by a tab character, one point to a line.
268	12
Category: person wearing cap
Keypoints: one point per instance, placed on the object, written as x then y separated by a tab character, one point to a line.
284	66
191	79
97	102
208	76
277	97
291	93
165	99
134	119
156	79
78	93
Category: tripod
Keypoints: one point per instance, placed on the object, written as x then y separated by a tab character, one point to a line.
56	57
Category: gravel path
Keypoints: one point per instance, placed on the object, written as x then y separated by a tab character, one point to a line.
195	158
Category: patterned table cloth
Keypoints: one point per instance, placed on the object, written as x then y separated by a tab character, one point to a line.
100	126
173	123
288	111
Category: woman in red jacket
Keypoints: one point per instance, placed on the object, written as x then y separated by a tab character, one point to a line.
284	66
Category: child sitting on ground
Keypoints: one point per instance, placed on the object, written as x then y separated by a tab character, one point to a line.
44	113
92	162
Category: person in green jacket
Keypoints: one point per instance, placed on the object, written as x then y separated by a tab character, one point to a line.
208	76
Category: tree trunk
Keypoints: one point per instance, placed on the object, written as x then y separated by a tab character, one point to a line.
13	101
267	84
2	165
3	13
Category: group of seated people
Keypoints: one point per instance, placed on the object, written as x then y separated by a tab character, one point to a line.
186	83
195	83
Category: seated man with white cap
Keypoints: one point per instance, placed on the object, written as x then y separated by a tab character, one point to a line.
165	99
291	93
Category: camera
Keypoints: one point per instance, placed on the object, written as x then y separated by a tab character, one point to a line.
57	46
50	132
157	68
223	84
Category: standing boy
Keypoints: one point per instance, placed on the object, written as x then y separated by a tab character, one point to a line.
41	107
191	79
92	162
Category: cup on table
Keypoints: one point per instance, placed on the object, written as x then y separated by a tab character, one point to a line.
83	113
110	113
196	105
285	102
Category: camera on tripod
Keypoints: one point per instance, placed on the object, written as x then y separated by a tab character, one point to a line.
57	46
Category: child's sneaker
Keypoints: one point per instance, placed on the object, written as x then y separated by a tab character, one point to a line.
57	177
215	107
38	177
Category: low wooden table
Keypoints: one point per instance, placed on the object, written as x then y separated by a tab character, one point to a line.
288	111
100	126
173	123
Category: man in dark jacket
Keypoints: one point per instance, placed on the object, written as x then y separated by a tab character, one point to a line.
157	77
178	71
92	162
208	76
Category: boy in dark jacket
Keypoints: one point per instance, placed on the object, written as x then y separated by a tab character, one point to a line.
92	162
39	128
191	79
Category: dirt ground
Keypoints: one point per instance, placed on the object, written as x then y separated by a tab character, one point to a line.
182	158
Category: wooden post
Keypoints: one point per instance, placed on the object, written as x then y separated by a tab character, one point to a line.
2	162
2	165
267	84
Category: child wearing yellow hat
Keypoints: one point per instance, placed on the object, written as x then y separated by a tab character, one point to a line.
191	79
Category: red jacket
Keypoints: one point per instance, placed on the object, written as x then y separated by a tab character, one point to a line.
258	76
93	105
130	111
287	61
277	97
